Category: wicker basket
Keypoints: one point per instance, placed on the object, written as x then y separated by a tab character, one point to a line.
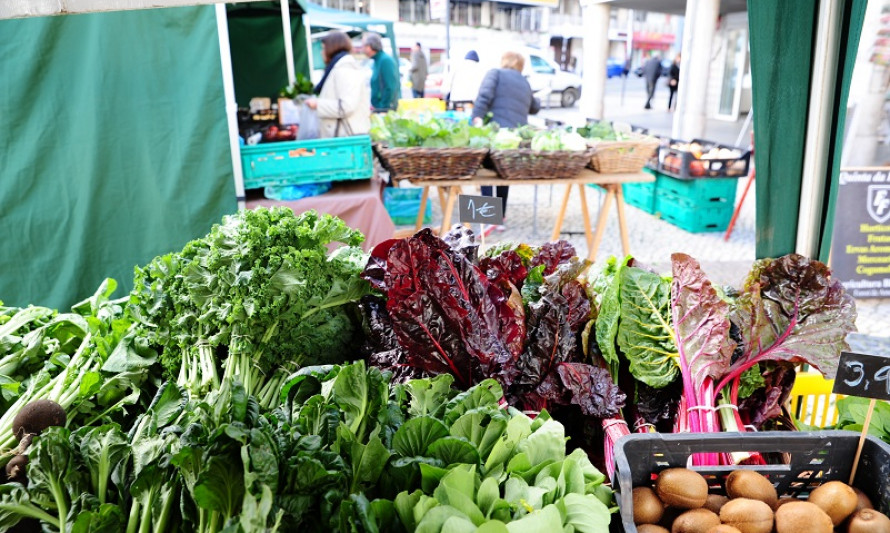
431	163
523	163
615	157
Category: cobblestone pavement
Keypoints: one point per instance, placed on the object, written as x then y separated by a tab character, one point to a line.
531	215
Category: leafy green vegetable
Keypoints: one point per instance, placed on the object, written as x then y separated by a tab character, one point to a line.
396	130
302	85
645	333
261	285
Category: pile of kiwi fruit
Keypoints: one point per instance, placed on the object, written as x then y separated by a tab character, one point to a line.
679	502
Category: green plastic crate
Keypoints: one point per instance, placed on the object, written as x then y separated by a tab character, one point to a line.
714	217
698	193
299	162
403	204
640	195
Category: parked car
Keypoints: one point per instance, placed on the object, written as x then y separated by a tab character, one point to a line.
614	67
434	78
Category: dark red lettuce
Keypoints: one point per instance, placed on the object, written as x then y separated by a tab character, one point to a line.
551	255
659	406
766	403
447	316
591	388
381	347
504	268
554	322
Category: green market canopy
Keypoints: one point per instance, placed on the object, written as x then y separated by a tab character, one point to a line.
796	46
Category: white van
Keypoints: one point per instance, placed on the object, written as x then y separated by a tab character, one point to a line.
543	74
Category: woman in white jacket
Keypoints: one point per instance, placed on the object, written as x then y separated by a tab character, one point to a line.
344	95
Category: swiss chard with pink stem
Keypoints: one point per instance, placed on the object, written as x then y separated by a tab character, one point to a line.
701	327
790	309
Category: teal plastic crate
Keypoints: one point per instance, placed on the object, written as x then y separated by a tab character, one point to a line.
640	195
403	204
299	162
714	217
698	193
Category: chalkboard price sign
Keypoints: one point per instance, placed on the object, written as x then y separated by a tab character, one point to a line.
481	209
863	375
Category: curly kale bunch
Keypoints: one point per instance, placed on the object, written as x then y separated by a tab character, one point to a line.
260	287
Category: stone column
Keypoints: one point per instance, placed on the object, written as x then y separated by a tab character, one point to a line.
699	28
595	21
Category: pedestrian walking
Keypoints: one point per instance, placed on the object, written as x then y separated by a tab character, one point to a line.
418	71
507	95
384	77
651	71
674	81
464	78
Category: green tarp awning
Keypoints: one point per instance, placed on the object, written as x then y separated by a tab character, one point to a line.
115	147
782	36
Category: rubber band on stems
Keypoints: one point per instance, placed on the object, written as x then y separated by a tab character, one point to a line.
729	406
639	426
611	423
700	408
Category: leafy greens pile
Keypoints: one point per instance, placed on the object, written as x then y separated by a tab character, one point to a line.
515	315
411	130
262	288
683	344
344	451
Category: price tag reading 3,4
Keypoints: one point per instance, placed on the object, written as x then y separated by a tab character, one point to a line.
867	376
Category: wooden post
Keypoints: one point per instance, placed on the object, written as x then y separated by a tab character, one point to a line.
871	410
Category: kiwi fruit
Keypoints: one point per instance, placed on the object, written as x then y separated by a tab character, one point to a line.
695	521
37	416
836	498
15	469
652	528
723	528
751	485
748	515
715	502
802	517
786	499
864	502
868	521
648	509
681	488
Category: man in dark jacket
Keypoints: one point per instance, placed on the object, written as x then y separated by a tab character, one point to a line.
385	76
651	71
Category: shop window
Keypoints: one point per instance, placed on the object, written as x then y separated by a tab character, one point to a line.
466	13
414	11
358	6
517	19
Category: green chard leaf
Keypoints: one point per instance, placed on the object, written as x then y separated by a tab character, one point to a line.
645	334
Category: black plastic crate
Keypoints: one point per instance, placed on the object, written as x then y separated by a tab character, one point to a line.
684	165
815	457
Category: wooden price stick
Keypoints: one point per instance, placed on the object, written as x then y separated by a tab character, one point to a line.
871	409
866	376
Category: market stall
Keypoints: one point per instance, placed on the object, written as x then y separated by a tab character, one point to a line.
270	375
